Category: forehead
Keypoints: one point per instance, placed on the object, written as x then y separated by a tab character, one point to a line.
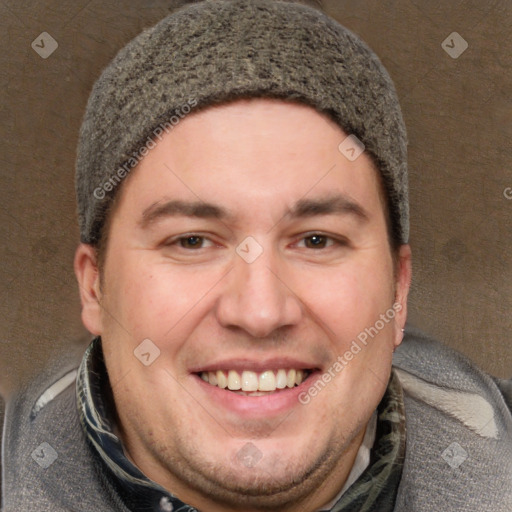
252	154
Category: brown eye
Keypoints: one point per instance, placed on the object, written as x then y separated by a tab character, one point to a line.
316	241
191	242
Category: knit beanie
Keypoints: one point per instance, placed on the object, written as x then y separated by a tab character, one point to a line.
216	51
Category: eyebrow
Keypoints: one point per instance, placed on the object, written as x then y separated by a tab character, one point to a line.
176	208
338	204
333	205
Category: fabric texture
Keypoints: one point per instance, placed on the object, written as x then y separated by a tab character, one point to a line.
447	465
217	51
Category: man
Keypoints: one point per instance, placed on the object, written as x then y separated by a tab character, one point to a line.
244	266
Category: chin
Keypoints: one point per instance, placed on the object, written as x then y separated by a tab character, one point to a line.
260	474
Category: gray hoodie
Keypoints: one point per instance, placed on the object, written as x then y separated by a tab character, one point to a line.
458	441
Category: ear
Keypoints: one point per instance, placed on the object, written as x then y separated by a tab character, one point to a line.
403	284
88	277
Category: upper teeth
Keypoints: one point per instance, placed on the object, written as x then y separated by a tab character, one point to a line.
251	381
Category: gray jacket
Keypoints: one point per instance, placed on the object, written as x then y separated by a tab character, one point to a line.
458	452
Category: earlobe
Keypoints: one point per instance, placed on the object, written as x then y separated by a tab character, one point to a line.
88	277
403	284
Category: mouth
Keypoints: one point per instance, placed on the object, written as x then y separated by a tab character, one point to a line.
251	383
255	389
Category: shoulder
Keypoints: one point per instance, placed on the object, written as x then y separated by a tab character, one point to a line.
433	372
459	431
46	459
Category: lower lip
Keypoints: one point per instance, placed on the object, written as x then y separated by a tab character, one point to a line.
256	406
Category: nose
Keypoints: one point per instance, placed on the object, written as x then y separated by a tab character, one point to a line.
257	298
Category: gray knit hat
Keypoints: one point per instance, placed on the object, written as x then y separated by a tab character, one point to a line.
219	50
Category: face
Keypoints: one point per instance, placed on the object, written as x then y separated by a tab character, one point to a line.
251	253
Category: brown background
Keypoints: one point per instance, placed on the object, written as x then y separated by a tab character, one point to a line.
459	117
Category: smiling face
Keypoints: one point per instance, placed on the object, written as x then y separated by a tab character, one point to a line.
251	253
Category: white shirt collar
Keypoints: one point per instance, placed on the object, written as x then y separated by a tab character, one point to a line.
361	462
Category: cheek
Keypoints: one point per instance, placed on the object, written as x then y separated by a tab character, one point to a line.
360	315
351	297
155	299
